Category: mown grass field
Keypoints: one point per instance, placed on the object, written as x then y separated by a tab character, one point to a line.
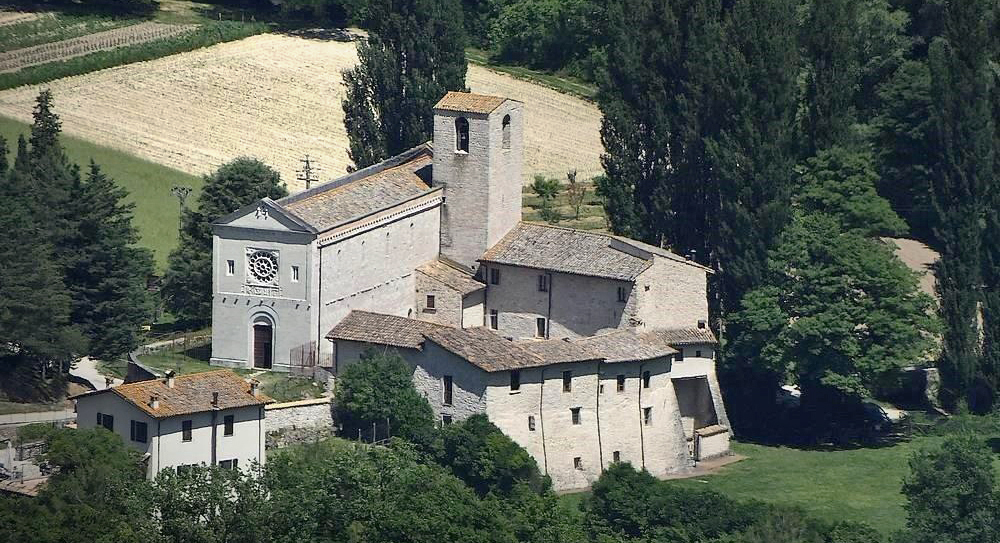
148	184
861	485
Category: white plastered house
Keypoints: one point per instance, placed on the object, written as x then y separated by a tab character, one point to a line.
211	418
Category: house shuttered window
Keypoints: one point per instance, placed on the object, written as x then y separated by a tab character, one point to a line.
139	432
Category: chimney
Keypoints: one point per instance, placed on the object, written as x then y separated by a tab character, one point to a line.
154	401
170	379
215	400
254	387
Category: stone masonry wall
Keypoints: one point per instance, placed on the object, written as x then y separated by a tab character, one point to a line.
671	294
298	422
447	302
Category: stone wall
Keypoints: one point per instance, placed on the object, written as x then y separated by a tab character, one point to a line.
447	308
298	422
671	294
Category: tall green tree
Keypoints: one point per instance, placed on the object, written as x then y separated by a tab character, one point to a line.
415	53
951	494
378	390
108	274
831	44
486	459
187	285
963	135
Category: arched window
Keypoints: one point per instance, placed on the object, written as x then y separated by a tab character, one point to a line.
462	134
506	131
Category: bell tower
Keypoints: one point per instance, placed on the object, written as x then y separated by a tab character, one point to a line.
478	157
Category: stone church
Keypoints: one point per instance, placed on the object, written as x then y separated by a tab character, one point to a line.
585	348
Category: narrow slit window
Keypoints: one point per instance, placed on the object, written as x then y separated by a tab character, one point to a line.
462	135
616	457
567	381
575	414
577	463
622	294
448	389
621	383
697	354
543	283
679	356
494	319
645	379
515	380
230	267
295	274
531	423
506	131
228	423
647	415
494	276
186	430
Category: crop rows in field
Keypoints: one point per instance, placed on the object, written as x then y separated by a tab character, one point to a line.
52	27
12	61
277	98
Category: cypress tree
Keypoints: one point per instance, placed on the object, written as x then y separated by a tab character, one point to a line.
963	135
832	76
414	54
108	275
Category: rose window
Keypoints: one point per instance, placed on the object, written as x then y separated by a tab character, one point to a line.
264	266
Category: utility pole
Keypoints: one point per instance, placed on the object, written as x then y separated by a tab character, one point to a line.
181	192
306	173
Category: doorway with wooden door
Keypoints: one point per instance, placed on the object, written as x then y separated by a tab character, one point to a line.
263	341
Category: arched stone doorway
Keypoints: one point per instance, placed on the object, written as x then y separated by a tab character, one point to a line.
262	342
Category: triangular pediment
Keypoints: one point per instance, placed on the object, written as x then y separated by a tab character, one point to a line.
265	215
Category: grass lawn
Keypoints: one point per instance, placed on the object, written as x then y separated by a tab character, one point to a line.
148	185
860	485
10	408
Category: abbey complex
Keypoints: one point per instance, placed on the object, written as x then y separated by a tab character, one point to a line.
585	348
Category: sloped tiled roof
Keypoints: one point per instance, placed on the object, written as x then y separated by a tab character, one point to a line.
191	393
366	191
451	276
683	336
380	329
565	250
484	349
616	346
469	102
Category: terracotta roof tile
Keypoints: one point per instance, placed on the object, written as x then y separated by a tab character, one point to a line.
451	276
191	393
484	349
565	250
469	102
683	336
366	191
380	329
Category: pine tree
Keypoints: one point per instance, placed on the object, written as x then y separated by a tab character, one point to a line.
108	274
832	77
415	53
187	285
964	167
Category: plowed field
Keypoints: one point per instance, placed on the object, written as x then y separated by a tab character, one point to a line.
277	98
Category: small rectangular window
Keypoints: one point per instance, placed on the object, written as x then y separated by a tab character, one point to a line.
697	354
540	327
543	283
446	419
577	463
616	456
448	391
186	430
515	379
531	423
645	379
295	274
230	267
647	415
139	431
494	319
185	468
621	383
575	412
679	356
430	301
567	381
494	276
622	294
227	423
229	464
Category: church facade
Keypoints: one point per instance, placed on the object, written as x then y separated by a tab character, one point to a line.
585	348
